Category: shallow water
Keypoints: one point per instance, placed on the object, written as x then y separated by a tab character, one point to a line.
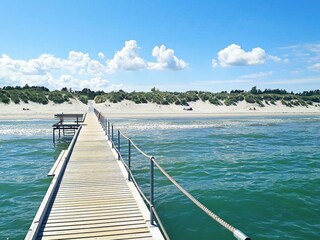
261	175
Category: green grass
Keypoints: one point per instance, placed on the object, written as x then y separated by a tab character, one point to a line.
255	96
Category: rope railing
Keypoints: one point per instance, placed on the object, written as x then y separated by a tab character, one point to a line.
116	144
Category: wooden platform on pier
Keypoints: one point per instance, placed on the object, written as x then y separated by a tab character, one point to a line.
93	199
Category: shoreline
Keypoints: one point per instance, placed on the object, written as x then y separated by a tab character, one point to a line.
212	115
127	109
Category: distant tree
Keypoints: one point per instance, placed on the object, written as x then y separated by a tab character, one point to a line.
237	91
254	90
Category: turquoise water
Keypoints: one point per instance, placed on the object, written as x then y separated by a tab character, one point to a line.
26	156
261	175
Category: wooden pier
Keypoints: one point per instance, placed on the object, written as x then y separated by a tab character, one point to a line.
67	124
89	197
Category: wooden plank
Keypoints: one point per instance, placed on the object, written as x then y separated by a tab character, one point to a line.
110	230
93	199
93	224
115	216
123	236
99	221
116	233
91	214
57	162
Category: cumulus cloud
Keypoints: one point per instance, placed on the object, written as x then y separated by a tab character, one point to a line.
166	59
52	71
95	83
234	55
79	70
127	58
101	55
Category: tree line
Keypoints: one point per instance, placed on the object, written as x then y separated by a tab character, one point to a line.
43	95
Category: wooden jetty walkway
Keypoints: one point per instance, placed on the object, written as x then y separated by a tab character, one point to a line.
89	197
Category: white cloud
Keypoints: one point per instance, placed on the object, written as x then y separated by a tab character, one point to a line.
304	53
78	69
275	58
214	63
95	83
257	75
315	67
101	55
166	59
127	58
48	70
234	55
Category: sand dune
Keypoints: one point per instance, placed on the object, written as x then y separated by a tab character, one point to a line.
150	110
200	109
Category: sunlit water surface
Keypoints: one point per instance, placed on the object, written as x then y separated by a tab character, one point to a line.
261	174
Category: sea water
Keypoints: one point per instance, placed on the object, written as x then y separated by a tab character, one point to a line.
26	156
260	174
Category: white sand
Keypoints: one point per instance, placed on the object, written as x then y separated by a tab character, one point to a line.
40	111
128	109
200	109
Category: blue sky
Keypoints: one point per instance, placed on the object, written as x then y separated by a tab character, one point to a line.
172	45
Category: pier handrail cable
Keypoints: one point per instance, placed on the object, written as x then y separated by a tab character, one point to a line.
236	232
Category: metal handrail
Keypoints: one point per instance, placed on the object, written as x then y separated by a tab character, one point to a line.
153	214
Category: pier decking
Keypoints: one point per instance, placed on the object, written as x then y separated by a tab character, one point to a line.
92	199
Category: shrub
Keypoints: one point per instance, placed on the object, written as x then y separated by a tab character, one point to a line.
215	101
230	101
56	97
83	99
38	97
100	98
15	97
23	96
249	99
4	98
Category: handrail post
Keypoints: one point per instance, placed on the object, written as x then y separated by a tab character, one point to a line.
129	159
109	130
119	142
106	126
112	135
151	190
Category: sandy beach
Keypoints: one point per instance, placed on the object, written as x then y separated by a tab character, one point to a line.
39	111
128	109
